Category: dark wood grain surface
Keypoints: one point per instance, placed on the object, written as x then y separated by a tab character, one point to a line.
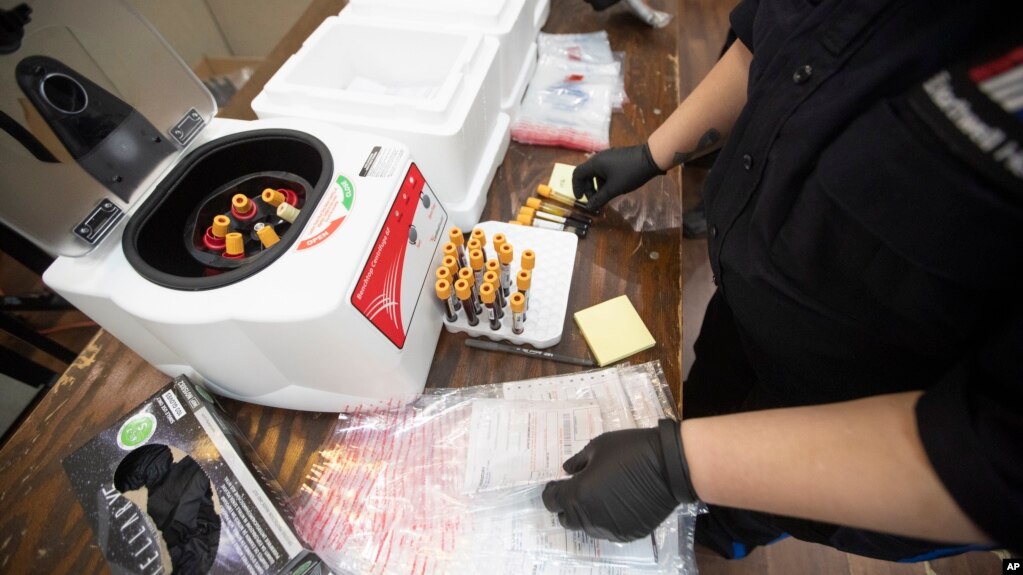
633	249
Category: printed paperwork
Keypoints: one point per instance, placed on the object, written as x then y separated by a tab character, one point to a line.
454	480
613	330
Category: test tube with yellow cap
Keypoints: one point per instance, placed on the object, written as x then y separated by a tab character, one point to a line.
451	263
458	240
522	281
470	278
499	240
445	273
234	246
445	293
489	297
215	234
552	208
493	278
570	201
266	234
464	293
526	218
518	310
242	207
481	236
272	197
288	212
505	256
476	263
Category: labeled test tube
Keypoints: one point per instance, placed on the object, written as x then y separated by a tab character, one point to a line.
518	311
470	278
527	219
570	201
552	218
476	263
452	251
528	261
489	297
505	256
552	208
464	293
494	279
474	244
444	273
522	281
458	240
445	293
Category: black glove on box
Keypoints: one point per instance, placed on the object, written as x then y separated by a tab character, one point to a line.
623	484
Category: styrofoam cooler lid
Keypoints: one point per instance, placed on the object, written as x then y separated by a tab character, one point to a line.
97	106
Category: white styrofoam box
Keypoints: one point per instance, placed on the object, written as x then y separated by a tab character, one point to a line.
292	335
436	91
514	23
548	292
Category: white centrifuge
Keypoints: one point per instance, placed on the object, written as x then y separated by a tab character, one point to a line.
284	262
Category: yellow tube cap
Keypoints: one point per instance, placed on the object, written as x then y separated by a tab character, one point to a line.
235	245
476	259
487	293
473	244
523	279
463	289
518	302
479	234
534	203
267	236
525	219
493	265
506	254
443	289
272	197
241	203
221	225
527	210
443	273
455	235
451	262
499	240
528	259
467	275
491	277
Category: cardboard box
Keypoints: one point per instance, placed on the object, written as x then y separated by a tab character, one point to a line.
224	76
174	485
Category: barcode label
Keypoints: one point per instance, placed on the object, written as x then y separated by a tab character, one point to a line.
567	449
174	405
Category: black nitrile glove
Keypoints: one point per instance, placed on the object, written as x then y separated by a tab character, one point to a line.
601	4
624	483
617	170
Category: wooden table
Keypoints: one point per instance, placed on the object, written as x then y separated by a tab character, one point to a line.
633	248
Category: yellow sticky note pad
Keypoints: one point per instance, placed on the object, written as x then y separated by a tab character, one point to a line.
561	179
613	330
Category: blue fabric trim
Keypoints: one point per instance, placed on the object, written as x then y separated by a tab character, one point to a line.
945	552
738	550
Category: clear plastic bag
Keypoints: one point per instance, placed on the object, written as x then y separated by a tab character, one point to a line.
454	480
568	104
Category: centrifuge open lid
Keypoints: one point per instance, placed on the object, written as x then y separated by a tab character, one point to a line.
96	106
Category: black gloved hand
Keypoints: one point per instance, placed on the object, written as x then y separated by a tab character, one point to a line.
624	483
601	4
617	170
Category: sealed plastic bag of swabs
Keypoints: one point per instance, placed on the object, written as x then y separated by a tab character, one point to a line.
454	480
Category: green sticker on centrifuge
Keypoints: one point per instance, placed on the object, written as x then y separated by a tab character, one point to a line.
347	191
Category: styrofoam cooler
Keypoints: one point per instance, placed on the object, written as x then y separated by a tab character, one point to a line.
436	91
513	23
